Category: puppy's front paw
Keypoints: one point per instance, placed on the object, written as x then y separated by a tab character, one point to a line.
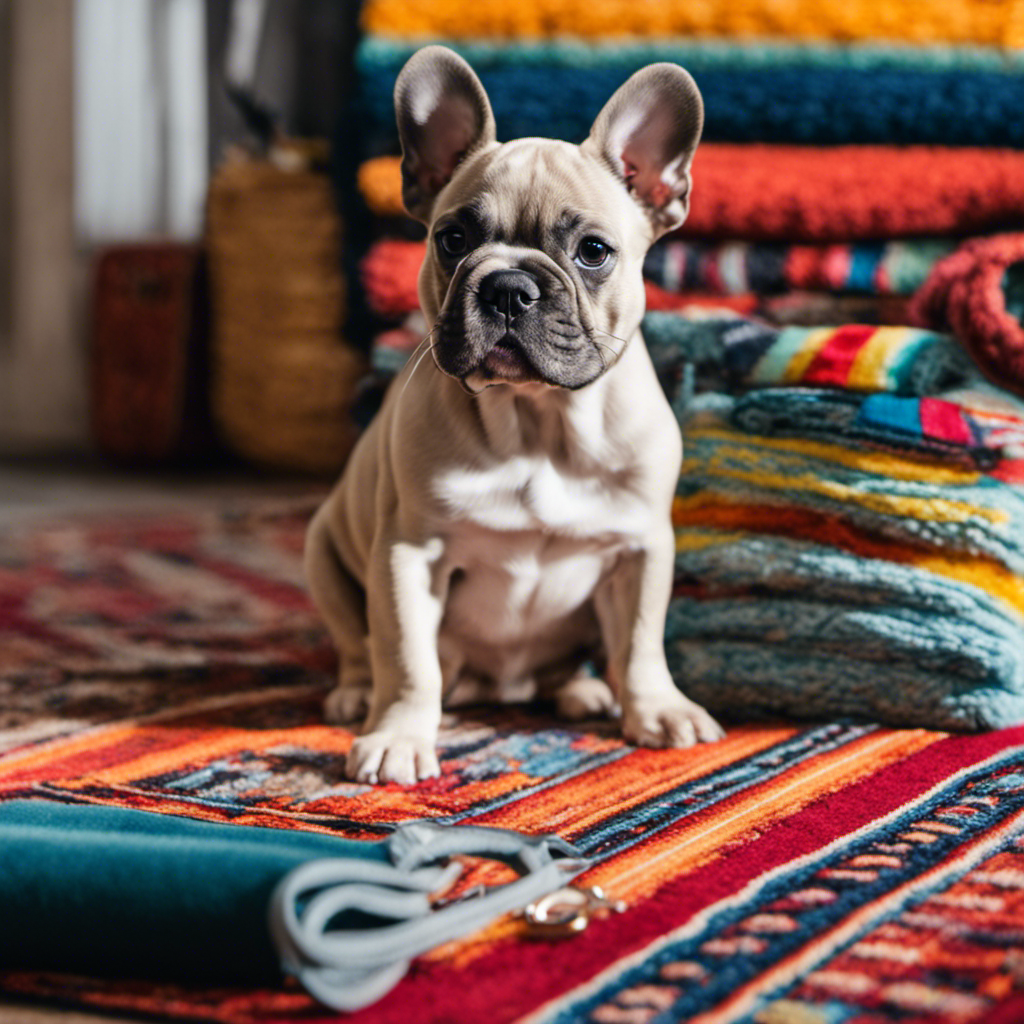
674	721
390	757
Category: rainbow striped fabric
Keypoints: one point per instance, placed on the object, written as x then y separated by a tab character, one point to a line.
978	429
913	501
829	872
857	357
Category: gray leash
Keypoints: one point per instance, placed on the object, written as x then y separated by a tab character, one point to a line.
349	968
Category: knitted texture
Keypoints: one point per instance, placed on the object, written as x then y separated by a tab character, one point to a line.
731	268
840	631
781	95
389	274
839	194
949	508
711	54
976	429
976	291
999	23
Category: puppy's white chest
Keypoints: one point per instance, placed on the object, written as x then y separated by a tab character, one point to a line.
529	493
528	546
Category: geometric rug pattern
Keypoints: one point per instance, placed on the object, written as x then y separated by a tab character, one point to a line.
795	873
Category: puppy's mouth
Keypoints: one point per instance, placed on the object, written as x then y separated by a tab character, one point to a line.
506	361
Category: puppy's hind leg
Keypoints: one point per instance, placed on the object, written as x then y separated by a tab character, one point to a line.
585	696
342	604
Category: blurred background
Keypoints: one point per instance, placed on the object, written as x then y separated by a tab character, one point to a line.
114	116
205	270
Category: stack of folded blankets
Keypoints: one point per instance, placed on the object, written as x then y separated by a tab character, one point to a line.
849	526
847	147
850	517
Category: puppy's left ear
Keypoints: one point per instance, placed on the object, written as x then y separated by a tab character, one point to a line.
647	134
443	116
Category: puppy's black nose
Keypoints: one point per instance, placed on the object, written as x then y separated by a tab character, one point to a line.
509	292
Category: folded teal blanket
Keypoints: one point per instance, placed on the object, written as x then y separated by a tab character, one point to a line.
761	92
753	678
114	892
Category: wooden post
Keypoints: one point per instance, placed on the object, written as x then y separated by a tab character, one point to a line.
43	377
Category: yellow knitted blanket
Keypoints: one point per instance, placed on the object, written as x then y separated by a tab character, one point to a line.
989	22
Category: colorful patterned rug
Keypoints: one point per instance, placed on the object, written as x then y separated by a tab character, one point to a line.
792	874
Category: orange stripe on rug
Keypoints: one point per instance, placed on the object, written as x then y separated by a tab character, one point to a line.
643	775
640	871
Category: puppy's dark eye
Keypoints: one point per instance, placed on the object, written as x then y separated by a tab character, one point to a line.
592	252
452	241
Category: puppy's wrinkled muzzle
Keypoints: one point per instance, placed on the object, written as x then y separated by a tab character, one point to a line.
511	316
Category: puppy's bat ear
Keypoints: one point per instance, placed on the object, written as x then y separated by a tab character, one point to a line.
647	134
443	116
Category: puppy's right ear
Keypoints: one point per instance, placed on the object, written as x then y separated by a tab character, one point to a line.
647	134
443	115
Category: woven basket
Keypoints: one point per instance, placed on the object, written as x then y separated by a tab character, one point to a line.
283	376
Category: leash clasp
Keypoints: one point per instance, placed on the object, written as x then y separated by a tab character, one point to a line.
567	911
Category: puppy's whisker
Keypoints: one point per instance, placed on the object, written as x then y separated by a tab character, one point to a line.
601	345
614	337
428	341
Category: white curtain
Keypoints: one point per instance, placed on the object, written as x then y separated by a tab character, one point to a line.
141	162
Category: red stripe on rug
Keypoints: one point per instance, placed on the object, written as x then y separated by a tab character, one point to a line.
831	365
517	978
1011	1011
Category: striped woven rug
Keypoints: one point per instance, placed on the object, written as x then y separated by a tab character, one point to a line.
814	872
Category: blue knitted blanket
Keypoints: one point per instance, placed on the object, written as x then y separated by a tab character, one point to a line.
762	92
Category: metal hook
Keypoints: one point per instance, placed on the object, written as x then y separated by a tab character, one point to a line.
568	911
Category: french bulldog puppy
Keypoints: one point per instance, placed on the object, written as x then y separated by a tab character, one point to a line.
506	517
